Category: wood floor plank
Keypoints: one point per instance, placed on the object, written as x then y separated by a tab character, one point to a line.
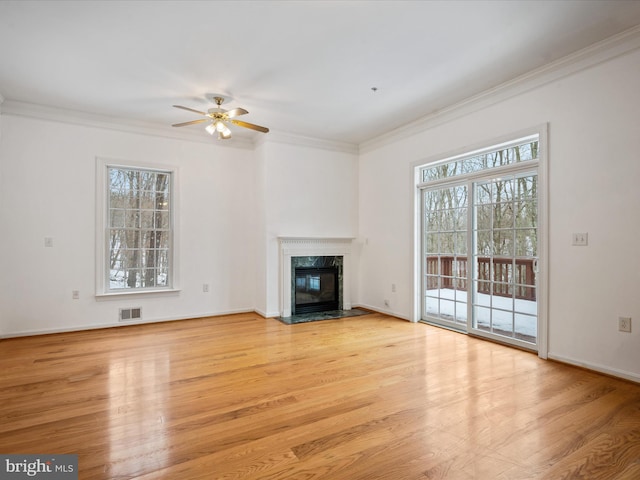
244	397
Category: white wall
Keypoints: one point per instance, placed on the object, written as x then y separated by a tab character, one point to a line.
47	189
306	192
233	203
594	176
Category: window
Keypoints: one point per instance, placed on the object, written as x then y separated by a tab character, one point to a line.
138	236
522	150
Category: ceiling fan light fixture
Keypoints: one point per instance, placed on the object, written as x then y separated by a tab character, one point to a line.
218	119
220	128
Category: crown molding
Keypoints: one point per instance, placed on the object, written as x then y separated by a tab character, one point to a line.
588	57
74	117
311	142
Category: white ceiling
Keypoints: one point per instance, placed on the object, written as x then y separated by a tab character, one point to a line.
301	67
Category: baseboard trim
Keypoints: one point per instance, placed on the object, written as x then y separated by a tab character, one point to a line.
267	314
612	372
79	328
364	306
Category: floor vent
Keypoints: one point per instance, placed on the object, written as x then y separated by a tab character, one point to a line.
127	314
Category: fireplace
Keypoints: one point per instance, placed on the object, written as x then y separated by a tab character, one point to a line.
326	261
316	290
316	283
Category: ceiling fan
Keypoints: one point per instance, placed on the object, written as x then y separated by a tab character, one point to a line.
218	119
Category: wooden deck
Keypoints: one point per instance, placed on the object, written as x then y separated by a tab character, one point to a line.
369	397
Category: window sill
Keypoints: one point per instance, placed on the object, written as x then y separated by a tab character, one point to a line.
167	291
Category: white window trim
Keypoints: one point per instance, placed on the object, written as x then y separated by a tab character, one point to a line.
102	290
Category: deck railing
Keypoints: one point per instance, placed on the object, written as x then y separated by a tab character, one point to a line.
503	273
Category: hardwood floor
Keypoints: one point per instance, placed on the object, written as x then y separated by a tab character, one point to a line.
370	397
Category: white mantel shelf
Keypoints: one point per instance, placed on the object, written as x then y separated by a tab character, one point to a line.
315	239
309	247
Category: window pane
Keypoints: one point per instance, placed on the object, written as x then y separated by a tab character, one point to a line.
503	242
432	221
448	220
432	243
460	243
147	218
484	217
503	293
526	327
132	219
483	161
526	243
433	265
502	215
139	233
162	220
447	243
502	322
526	214
526	188
483	193
459	220
483	296
483	242
116	218
162	277
502	191
432	305
447	309
502	272
482	318
117	239
433	281
149	277
432	201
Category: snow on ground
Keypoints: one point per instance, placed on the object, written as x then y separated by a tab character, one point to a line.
500	313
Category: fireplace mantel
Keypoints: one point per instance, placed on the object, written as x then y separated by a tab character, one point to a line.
308	247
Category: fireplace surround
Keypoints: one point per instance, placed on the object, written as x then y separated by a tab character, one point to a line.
314	253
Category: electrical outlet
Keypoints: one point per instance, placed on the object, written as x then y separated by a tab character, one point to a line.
75	294
393	288
205	287
580	239
624	324
48	242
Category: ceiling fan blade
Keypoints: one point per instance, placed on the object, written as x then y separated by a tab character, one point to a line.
258	128
235	112
192	122
190	109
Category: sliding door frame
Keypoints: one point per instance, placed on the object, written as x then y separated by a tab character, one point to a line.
542	172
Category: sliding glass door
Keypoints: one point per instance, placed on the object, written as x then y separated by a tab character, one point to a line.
445	260
505	257
479	218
